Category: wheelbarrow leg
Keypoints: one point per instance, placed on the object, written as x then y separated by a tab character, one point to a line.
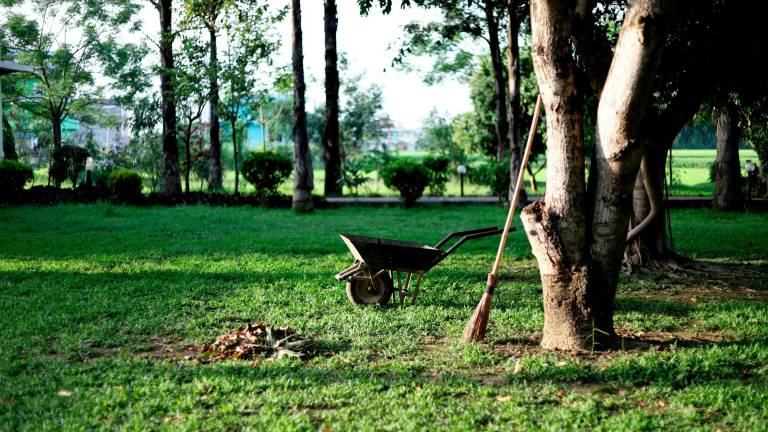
416	287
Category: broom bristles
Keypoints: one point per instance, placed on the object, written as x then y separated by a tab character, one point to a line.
475	329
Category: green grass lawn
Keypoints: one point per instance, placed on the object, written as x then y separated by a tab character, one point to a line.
97	303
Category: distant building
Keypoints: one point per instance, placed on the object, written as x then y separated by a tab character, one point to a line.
399	138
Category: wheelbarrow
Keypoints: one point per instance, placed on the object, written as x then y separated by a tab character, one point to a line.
370	280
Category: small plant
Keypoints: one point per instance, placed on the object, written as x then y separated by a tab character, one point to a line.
14	175
124	185
67	162
353	175
438	173
407	177
201	167
266	171
495	175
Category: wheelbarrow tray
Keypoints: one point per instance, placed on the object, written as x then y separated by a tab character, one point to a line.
392	254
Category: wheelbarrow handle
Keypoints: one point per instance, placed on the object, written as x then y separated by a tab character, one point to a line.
488	231
468	235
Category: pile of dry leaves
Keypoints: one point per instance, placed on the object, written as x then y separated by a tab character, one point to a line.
256	341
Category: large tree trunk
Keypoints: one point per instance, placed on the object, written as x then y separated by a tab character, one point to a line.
515	127
215	177
727	169
502	129
579	263
171	177
303	183
556	227
625	98
331	144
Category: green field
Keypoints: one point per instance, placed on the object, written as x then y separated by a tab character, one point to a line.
690	178
98	303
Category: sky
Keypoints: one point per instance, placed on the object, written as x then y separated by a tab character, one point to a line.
365	41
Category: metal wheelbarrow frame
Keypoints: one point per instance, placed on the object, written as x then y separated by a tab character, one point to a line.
379	261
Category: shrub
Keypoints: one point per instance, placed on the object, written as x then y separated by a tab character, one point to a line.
266	171
124	185
67	162
493	174
14	175
438	173
407	177
353	175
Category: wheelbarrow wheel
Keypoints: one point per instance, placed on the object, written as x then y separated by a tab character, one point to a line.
364	291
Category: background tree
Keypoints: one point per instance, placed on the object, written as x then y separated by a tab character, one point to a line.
191	89
171	174
67	64
208	13
249	44
331	140
303	181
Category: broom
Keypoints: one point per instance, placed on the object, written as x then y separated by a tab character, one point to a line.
475	329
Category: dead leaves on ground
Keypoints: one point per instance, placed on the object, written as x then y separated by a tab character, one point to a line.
254	342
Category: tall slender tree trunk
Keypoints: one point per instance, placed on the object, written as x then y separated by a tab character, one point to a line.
727	168
215	176
187	156
235	154
303	182
515	127
171	178
56	121
502	127
331	143
578	260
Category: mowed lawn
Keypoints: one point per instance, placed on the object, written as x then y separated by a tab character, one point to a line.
98	302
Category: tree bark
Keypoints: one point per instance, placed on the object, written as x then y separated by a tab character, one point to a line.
235	154
556	226
187	156
502	128
303	182
513	73
331	143
215	177
171	177
56	121
578	260
727	168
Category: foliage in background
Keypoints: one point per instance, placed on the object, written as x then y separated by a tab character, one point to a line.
437	137
353	174
439	173
14	175
124	185
408	177
266	171
9	141
494	175
67	162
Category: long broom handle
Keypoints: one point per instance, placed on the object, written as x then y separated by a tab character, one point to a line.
518	187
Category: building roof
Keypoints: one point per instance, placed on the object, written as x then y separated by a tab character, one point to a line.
7	67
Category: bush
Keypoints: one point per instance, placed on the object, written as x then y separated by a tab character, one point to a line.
353	175
67	162
495	175
407	177
124	185
266	171
438	173
14	175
